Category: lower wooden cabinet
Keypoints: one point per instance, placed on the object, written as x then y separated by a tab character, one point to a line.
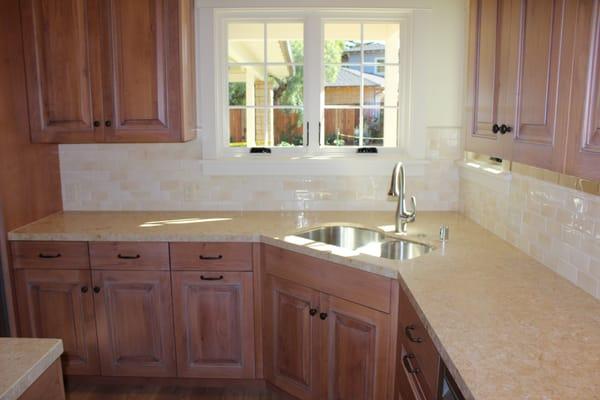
214	324
318	346
135	323
59	304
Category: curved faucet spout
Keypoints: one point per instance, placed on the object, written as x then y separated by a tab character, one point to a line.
398	189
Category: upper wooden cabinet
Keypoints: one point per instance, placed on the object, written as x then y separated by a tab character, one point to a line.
583	150
109	71
532	84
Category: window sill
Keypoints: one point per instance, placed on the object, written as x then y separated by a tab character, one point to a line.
318	165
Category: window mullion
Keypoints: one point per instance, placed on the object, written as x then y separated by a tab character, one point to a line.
312	78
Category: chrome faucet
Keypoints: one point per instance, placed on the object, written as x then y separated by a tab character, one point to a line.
398	189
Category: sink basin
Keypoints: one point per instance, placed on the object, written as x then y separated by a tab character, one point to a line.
366	241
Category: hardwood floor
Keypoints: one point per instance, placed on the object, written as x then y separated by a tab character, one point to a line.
87	391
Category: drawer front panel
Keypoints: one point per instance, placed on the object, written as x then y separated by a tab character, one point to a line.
129	255
55	255
211	256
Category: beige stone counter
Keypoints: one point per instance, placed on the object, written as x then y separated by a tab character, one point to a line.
22	361
506	326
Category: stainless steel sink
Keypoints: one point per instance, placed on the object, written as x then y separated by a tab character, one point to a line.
366	241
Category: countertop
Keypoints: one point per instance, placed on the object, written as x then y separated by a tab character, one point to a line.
23	361
506	326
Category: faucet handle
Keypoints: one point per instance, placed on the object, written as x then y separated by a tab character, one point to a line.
413	202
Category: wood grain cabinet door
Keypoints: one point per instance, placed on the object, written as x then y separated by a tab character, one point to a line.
142	70
354	346
485	106
61	49
291	337
59	304
583	150
538	82
135	323
214	324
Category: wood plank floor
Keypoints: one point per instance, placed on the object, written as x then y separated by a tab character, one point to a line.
86	391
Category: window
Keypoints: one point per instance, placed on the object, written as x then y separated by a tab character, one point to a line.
312	81
265	84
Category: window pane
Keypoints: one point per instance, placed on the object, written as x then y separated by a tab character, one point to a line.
342	85
342	43
246	85
237	127
285	43
381	43
246	42
286	85
287	127
377	130
341	127
381	89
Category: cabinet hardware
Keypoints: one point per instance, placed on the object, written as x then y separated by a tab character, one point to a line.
323	316
107	124
84	289
219	257
42	255
211	278
312	312
408	332
505	129
406	361
96	289
495	128
121	256
96	124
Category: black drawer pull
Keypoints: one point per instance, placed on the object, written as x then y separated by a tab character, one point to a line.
211	278
121	256
408	332
219	257
42	255
406	361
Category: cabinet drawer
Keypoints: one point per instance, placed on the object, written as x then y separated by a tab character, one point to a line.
411	380
129	255
211	256
57	255
418	343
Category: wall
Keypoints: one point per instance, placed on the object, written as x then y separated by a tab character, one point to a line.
175	177
559	227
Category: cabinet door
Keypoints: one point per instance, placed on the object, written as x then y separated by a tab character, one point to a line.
539	81
61	48
59	304
135	323
583	151
354	346
214	324
291	337
142	70
484	108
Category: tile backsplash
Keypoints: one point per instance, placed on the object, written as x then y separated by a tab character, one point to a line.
171	177
559	227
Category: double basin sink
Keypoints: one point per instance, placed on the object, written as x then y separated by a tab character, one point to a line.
366	241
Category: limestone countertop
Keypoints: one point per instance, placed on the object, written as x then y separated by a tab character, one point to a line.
506	326
23	361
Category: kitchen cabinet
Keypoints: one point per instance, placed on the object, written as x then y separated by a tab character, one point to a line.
59	304
583	150
214	324
109	71
318	345
135	323
532	89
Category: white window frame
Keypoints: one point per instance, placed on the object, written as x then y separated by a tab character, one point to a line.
314	20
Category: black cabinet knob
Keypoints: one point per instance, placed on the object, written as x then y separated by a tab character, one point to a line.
96	124
312	312
505	129
84	289
108	124
323	316
495	128
96	289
